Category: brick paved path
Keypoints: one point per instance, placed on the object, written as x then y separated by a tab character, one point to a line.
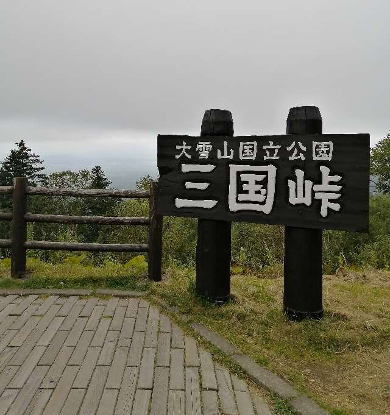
119	356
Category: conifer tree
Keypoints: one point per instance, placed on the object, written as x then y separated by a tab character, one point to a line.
21	162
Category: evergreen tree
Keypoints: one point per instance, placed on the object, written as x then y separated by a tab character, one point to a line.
21	162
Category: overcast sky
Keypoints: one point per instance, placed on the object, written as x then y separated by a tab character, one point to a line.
89	82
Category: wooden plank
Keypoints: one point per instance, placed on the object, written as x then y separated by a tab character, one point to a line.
61	392
95	390
18	228
87	192
97	220
155	236
127	391
90	247
349	159
4	190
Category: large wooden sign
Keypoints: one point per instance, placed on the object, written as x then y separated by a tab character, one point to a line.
310	180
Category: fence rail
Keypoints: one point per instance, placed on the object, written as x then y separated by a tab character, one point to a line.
20	217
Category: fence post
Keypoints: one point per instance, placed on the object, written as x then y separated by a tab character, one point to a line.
303	246
213	250
19	228
155	236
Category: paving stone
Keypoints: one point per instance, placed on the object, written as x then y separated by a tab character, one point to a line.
140	322
209	380
6	375
81	348
160	391
117	368
55	345
238	384
165	324
7	338
145	380
45	306
141	401
75	333
28	391
5	301
177	369
176	402
225	392
120	293
94	392
71	318
57	368
94	318
73	402
265	378
5	356
50	331
143	303
123	302
163	349
24	305
136	348
65	309
260	406
87	368
27	368
306	406
108	349
107	402
127	331
88	308
6	324
117	320
110	308
38	402
177	337
132	308
22	319
214	338
210	402
193	405
6	399
152	328
191	352
101	331
23	333
7	311
61	392
127	391
244	403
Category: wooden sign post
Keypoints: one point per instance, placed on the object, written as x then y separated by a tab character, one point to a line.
300	180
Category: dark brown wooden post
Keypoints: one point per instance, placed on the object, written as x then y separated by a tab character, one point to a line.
303	246
155	236
213	250
19	228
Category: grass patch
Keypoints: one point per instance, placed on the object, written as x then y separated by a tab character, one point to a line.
76	275
342	361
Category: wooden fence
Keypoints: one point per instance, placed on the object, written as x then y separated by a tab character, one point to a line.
20	217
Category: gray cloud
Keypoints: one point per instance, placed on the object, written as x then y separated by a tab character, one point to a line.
83	70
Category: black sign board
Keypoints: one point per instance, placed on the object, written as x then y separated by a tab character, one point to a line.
311	180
